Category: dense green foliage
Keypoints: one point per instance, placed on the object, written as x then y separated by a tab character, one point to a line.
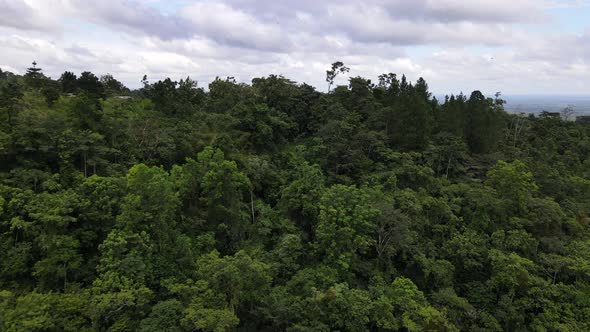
272	207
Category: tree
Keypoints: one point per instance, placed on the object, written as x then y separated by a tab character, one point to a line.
223	187
342	308
412	120
34	77
337	68
112	86
203	308
69	82
84	149
361	96
345	224
568	112
402	305
164	316
51	93
10	96
150	205
483	123
175	98
241	279
91	85
271	206
120	293
47	219
447	155
86	113
300	196
513	182
266	127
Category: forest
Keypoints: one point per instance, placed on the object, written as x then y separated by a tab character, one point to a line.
274	206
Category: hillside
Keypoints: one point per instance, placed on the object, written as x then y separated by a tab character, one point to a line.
272	206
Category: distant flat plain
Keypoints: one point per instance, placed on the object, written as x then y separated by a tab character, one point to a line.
538	104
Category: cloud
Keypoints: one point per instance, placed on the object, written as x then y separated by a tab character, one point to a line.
423	10
567	3
79	50
449	42
365	23
21	15
271	26
227	25
135	17
482	11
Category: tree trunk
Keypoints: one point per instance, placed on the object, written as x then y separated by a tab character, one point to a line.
252	205
448	166
85	166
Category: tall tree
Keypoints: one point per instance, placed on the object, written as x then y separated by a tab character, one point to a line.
90	84
337	68
69	82
112	86
34	76
483	123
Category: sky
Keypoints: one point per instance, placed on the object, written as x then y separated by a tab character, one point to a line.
518	47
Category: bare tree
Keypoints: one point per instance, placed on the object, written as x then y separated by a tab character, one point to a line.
568	112
517	125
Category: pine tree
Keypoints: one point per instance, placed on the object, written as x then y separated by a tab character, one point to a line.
34	76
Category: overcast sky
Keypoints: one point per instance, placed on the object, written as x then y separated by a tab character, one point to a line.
513	46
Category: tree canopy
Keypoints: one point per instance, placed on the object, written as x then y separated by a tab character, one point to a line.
272	206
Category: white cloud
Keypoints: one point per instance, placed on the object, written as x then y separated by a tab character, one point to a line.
227	25
26	15
456	45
